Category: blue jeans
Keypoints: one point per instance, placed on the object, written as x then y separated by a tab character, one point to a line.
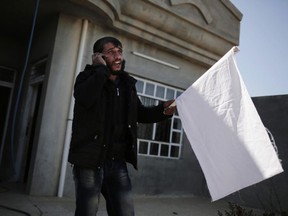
112	181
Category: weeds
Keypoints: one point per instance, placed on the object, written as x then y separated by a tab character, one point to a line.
236	210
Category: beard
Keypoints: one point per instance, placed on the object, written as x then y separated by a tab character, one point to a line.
118	72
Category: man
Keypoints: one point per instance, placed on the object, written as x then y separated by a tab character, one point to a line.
104	131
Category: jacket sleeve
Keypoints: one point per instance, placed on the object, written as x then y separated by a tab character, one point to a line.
151	114
89	84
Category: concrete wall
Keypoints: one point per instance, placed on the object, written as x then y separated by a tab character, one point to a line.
159	176
270	194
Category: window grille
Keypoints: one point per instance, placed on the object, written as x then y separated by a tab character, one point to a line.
162	139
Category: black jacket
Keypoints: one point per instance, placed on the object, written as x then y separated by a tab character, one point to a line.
87	148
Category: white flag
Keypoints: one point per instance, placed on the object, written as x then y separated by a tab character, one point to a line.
225	130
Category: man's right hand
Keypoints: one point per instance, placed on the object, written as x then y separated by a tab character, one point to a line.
98	58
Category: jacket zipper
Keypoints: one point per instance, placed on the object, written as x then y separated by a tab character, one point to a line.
118	94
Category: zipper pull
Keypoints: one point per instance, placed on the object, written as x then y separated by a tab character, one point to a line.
118	94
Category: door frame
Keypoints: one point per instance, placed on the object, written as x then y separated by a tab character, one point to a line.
30	119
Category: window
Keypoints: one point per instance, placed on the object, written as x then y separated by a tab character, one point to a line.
162	139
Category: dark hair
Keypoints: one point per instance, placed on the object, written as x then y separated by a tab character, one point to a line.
99	44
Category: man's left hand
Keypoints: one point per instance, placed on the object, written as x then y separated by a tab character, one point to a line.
169	107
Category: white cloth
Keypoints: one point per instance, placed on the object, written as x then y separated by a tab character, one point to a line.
225	130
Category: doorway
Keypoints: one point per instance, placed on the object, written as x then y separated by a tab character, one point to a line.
30	118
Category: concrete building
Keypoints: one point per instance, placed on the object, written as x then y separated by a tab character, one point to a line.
168	44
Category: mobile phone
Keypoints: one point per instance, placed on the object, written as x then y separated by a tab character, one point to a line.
104	57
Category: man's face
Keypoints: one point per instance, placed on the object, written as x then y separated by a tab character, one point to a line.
113	56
